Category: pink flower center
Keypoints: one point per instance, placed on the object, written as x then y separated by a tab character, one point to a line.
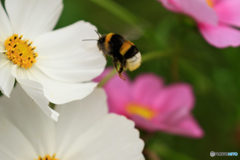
142	111
210	3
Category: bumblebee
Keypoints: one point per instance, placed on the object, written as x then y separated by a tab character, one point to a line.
123	52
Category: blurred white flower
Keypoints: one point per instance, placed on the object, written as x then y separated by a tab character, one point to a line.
56	64
85	131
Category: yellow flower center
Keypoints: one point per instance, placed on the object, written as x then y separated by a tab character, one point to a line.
47	157
142	111
20	52
210	3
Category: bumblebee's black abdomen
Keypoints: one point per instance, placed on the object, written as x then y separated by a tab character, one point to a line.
131	52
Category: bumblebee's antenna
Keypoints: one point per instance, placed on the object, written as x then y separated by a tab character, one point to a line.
90	40
97	33
93	39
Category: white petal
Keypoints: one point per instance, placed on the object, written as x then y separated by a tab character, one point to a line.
35	91
32	124
77	117
13	143
55	91
113	137
2	48
65	57
5	27
33	17
6	78
20	72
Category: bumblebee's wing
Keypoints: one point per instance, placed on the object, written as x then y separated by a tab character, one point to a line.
127	31
132	34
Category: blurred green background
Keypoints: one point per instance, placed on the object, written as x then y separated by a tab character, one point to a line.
180	54
173	49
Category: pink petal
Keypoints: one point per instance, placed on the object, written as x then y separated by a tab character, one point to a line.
172	116
173	103
144	123
220	36
169	5
118	92
104	74
145	87
174	97
229	11
186	127
198	9
216	1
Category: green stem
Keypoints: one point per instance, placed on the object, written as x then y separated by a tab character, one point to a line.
154	55
106	78
146	57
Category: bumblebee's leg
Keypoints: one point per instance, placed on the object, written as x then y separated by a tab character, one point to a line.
115	61
120	70
124	64
122	67
105	56
120	73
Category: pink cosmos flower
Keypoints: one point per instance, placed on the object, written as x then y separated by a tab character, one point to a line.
152	105
214	18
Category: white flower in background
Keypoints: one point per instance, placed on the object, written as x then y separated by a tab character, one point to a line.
85	131
56	64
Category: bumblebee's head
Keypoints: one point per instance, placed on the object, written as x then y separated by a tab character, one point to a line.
101	42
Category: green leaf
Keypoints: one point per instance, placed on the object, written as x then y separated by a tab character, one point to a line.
120	12
167	153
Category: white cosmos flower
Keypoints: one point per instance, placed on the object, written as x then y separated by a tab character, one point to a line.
56	64
85	131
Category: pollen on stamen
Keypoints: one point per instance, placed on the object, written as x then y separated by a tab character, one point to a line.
210	3
47	157
20	52
142	111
